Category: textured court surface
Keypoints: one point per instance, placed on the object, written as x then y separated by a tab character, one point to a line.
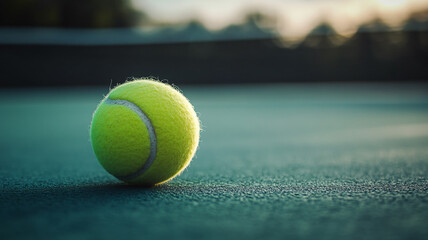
275	162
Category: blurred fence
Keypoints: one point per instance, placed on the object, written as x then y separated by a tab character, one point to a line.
367	56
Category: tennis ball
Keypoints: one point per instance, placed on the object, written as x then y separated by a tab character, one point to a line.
144	132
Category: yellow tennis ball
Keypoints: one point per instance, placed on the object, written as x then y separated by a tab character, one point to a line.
145	132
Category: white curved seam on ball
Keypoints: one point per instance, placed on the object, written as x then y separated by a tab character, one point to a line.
150	129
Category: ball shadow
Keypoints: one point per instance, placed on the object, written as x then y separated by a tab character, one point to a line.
31	200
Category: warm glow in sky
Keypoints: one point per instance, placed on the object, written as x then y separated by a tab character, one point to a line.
295	18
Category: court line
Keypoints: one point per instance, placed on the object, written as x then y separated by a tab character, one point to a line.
150	129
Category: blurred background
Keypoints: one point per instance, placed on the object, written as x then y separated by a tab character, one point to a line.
102	42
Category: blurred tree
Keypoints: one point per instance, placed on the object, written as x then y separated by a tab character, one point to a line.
376	25
256	25
323	36
417	21
69	13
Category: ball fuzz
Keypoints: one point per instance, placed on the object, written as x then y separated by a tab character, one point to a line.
145	132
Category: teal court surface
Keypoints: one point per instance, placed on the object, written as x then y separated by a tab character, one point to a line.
326	161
